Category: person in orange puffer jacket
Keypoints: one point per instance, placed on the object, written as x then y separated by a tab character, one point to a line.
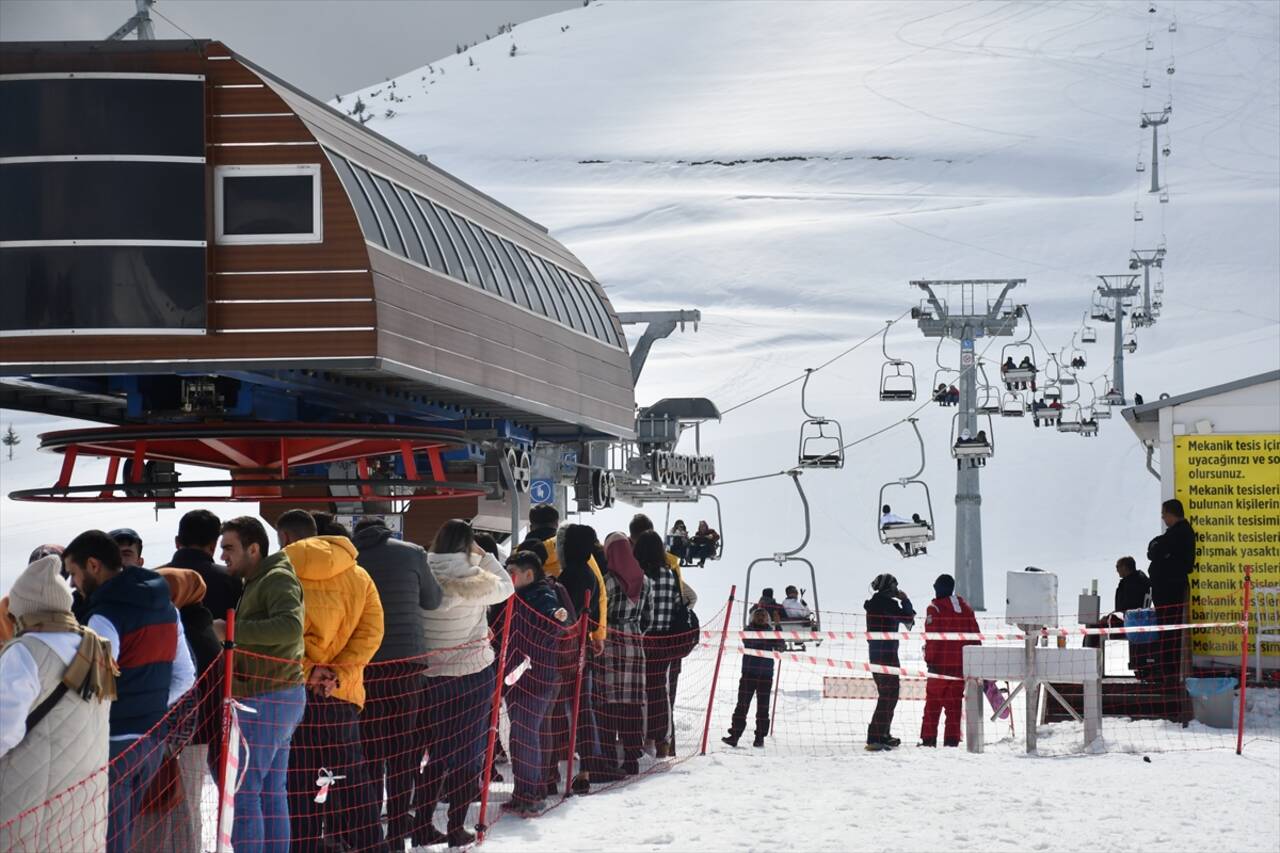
342	629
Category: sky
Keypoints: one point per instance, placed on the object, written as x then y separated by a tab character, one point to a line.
394	35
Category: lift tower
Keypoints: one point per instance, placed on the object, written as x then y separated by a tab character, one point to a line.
1118	288
961	318
1153	121
1146	258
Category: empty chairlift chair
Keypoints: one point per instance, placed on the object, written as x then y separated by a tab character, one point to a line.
1071	419
821	439
1012	405
897	376
1088	334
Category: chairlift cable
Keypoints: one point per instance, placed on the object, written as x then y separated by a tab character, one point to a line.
808	371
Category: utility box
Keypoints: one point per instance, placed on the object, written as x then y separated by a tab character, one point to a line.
1031	598
1089	608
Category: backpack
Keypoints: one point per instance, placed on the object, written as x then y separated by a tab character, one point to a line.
685	628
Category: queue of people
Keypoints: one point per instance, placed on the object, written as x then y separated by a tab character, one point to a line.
364	673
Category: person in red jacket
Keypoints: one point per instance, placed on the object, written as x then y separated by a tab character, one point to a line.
947	613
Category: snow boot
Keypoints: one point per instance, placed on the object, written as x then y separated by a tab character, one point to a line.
877	746
892	742
951	743
731	740
758	742
581	784
631	767
460	836
929	741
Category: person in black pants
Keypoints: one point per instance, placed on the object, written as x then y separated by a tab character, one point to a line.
886	609
1173	556
756	681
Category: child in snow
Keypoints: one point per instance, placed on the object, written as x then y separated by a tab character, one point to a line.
947	613
756	680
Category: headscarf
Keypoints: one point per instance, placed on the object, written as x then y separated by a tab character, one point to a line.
185	586
623	565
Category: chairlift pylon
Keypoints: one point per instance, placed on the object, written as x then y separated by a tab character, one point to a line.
897	376
821	439
782	558
907	536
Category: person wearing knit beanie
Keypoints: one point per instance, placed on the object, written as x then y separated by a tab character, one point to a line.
40	589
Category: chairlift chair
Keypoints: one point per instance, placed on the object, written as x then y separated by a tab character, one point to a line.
1130	344
782	558
1047	414
1164	196
1173	25
1052	392
1012	405
1141	167
945	377
1099	310
1088	423
897	376
821	439
1017	374
908	538
1171	67
1137	212
1151	45
1113	397
975	447
1146	82
719	525
1101	409
1072	424
1088	334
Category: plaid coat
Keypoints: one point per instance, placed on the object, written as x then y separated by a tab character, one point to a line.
620	673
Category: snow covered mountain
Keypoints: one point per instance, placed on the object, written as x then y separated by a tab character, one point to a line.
788	167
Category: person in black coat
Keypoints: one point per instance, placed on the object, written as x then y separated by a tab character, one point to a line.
1131	594
756	681
394	687
197	539
887	608
1173	556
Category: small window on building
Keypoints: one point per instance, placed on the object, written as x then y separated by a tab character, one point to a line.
268	204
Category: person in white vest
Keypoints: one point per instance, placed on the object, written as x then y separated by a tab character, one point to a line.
59	681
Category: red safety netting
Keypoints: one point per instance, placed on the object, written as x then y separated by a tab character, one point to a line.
1102	687
455	740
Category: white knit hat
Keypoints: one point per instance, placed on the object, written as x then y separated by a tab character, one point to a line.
40	589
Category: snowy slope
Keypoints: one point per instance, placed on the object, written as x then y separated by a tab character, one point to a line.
895	141
1010	132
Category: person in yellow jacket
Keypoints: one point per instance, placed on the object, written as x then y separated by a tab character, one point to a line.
342	629
543	521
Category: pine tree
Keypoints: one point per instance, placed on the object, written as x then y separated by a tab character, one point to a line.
359	107
338	98
471	60
513	49
10	440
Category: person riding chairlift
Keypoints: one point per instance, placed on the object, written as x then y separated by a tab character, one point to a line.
889	519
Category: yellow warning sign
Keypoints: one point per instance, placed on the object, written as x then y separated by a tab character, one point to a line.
1230	488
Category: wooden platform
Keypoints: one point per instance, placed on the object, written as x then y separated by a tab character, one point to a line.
1125	697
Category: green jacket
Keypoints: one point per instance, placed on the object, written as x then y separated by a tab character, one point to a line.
268	630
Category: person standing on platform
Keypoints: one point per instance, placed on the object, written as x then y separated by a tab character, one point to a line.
196	542
1173	556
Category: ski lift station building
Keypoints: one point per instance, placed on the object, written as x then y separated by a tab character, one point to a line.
1219	453
184	236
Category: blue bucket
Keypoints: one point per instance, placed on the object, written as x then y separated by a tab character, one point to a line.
1203	688
1140	618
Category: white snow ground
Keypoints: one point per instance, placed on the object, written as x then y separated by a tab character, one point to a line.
1012	133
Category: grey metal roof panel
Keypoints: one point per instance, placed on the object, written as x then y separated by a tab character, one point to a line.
1150	411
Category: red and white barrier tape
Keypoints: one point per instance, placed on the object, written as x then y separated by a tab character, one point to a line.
854	666
983	636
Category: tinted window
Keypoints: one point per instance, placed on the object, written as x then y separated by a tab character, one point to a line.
482	265
102	201
549	294
87	116
536	302
576	317
471	273
508	269
359	200
268	204
447	246
394	243
103	287
435	260
575	289
606	317
410	234
476	233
